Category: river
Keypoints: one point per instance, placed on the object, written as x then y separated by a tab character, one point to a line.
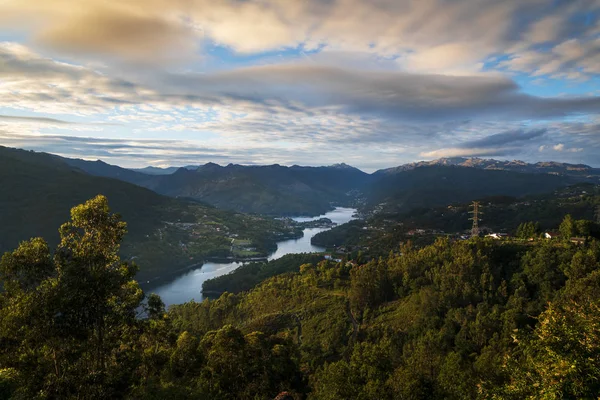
188	285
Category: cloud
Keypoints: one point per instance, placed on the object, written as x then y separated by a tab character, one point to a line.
394	95
47	121
150	32
466	152
498	144
107	30
43	120
376	118
33	82
140	153
431	35
522	143
505	138
574	58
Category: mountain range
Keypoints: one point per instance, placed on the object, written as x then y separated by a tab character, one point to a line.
544	167
280	190
175	220
270	189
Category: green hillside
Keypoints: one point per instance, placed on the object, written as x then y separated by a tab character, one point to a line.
475	319
269	189
296	190
165	234
380	230
442	185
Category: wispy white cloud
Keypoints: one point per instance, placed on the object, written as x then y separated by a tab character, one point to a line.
467	152
379	83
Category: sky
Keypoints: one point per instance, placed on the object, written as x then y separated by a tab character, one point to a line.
373	84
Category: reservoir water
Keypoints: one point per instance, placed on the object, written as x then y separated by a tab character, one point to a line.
188	285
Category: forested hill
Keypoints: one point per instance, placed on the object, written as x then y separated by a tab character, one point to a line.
475	319
165	234
442	185
280	190
390	225
283	191
269	189
38	190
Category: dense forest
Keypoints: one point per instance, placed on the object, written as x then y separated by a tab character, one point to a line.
474	319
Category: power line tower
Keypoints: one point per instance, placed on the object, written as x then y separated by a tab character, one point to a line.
476	213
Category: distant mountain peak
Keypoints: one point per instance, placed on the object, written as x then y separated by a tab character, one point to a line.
543	167
211	166
341	166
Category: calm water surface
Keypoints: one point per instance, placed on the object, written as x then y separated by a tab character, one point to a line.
188	285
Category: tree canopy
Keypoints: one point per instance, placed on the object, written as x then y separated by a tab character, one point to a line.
475	319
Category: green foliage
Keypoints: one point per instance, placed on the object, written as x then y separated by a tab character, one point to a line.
369	285
247	366
562	357
64	316
383	230
577	228
528	230
249	275
453	320
567	227
155	305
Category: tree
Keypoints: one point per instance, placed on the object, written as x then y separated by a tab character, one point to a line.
364	376
66	316
583	227
562	359
369	285
567	227
528	230
155	306
247	366
25	268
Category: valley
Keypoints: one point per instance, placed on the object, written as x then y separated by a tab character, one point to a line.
340	271
299	200
189	285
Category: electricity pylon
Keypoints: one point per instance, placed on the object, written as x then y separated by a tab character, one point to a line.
476	213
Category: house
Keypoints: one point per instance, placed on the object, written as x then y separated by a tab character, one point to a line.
498	236
328	257
578	240
552	235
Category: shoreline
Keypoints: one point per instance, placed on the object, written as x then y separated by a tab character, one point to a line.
165	276
147	285
176	291
156	281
